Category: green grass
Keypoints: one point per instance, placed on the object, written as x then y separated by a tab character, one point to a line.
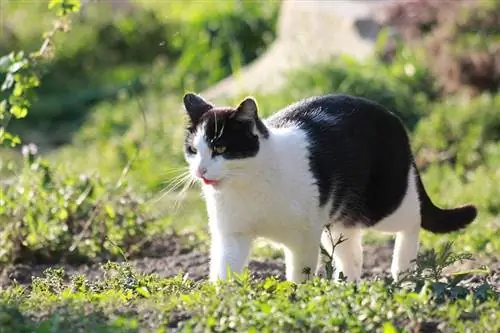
123	300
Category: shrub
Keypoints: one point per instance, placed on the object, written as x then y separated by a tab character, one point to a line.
397	87
459	131
48	215
461	41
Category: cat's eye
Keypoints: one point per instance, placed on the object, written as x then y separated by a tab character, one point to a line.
219	149
191	150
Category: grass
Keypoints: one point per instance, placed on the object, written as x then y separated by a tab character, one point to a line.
82	205
124	300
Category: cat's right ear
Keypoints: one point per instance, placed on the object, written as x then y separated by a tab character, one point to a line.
195	106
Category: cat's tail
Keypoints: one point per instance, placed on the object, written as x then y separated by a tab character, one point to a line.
441	221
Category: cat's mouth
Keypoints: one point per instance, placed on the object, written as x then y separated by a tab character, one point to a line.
212	182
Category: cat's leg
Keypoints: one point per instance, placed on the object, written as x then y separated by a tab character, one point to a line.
405	250
348	255
228	251
302	257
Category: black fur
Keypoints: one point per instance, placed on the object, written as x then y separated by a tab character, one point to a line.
360	156
442	221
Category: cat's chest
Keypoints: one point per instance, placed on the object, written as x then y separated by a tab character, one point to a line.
264	208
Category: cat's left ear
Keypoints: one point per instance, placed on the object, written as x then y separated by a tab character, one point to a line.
247	109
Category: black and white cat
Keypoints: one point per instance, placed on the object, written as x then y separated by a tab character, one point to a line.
338	161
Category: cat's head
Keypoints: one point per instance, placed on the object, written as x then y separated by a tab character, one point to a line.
219	141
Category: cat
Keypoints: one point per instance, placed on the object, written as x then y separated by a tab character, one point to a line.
334	164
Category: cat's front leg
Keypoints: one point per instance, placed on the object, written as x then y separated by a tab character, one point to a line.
302	257
229	251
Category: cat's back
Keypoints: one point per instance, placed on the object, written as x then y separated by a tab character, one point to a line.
335	112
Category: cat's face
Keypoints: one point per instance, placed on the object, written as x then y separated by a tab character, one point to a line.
219	141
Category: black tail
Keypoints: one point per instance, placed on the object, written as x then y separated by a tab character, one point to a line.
441	221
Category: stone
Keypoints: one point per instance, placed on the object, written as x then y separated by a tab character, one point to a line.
308	32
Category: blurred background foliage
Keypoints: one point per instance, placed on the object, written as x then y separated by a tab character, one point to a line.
438	68
115	47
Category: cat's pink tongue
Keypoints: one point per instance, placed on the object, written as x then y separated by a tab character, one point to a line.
210	181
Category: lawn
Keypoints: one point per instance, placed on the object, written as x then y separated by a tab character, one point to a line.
98	234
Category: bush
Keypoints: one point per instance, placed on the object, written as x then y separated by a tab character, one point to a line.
461	41
48	216
459	131
397	87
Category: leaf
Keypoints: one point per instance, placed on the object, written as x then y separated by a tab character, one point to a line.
143	291
18	90
110	210
388	327
64	7
481	292
265	308
18	111
3	108
439	288
17	66
8	82
15	140
63	214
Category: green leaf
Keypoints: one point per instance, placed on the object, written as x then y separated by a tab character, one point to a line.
143	291
18	111
63	214
18	90
388	327
8	137
110	211
65	7
3	108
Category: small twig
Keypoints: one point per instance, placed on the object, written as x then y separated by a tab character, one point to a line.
329	266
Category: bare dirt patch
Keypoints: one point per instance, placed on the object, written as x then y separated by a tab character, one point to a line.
170	255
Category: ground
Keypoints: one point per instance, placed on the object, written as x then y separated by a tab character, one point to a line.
172	254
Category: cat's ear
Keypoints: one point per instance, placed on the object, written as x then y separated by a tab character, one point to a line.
247	109
195	106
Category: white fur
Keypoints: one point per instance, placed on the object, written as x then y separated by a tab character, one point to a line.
273	195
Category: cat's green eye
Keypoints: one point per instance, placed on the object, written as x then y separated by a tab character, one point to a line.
219	149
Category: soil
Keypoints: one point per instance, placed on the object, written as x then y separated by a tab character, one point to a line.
171	254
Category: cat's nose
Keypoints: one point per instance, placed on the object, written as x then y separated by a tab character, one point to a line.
201	172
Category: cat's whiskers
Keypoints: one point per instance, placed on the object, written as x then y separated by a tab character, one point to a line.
171	171
184	179
181	195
